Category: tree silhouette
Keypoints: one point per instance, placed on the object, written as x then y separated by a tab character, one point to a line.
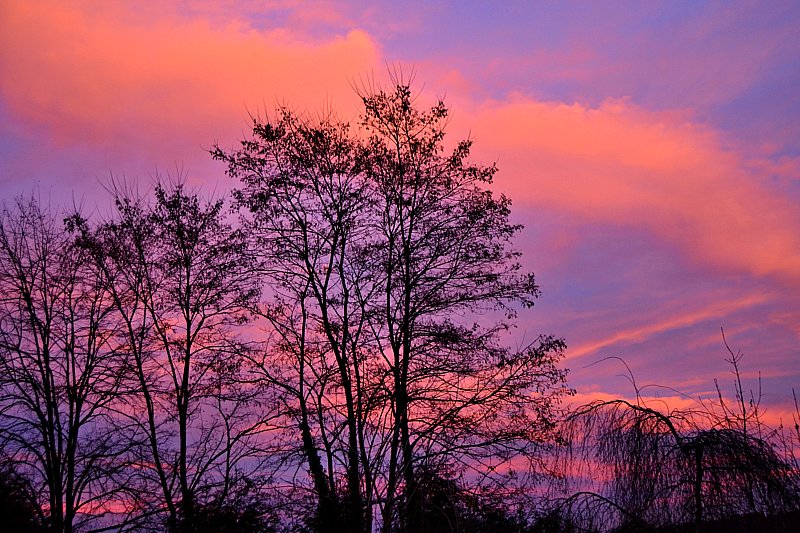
181	283
303	186
59	370
639	466
392	281
340	360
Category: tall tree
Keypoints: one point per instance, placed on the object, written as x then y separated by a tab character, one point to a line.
303	184
182	282
451	284
60	370
394	282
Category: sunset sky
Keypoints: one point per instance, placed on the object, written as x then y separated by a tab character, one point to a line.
651	149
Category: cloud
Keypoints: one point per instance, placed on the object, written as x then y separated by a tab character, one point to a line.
623	165
122	87
134	79
778	413
662	323
161	85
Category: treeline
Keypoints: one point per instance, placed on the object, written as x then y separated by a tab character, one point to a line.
334	358
330	352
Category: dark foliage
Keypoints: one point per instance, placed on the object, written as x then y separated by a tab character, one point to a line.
393	283
240	512
639	467
18	507
448	504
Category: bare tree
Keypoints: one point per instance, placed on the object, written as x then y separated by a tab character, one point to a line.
182	282
450	287
392	285
348	343
634	463
60	371
304	186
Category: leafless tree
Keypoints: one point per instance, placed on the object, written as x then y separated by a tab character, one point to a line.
633	463
451	286
303	183
181	282
60	371
392	283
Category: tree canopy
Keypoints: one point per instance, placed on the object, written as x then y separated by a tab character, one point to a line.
336	358
393	282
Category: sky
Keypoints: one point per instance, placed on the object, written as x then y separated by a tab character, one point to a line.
651	149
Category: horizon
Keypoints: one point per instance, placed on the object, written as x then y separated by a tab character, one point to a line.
652	152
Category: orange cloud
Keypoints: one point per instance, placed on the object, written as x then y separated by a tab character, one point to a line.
621	164
663	323
161	84
133	78
779	413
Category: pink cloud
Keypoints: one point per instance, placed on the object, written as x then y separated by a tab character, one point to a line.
152	82
163	86
665	321
778	414
623	165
